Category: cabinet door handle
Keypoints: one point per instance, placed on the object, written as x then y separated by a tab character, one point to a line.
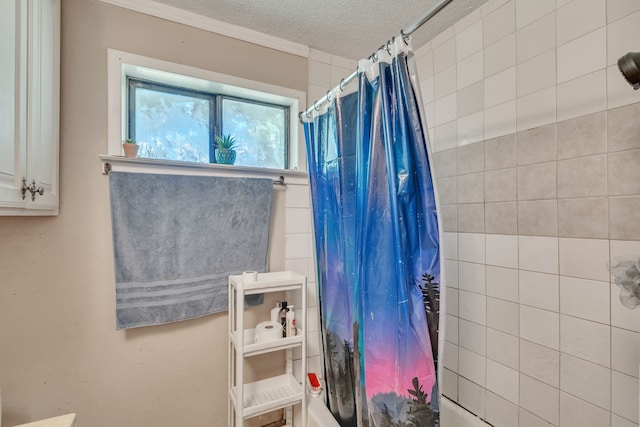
31	188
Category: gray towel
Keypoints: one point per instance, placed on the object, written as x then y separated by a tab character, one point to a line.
176	239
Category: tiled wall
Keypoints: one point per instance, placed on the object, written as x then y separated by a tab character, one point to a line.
537	157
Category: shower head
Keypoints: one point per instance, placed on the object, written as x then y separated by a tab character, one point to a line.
629	65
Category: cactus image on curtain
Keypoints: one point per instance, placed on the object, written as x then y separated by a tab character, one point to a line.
377	246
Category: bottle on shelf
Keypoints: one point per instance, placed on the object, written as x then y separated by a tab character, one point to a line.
275	312
283	318
290	328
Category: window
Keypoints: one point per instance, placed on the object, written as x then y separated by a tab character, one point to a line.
175	112
175	123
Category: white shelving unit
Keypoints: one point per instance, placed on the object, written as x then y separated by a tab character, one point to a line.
248	400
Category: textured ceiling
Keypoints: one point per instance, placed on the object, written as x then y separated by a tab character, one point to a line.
350	28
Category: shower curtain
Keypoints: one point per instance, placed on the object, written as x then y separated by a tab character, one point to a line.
377	247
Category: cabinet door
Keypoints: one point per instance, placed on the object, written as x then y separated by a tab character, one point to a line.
13	59
43	103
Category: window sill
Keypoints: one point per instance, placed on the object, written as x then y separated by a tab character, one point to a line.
174	167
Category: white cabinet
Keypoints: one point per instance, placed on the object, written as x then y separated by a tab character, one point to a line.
248	400
29	106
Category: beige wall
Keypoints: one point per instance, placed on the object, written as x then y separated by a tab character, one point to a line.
59	350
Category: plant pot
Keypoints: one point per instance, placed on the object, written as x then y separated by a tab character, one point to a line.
130	150
225	156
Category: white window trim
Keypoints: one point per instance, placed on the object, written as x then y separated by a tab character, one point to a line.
120	63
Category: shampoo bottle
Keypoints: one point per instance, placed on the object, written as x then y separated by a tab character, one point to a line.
282	318
291	322
275	312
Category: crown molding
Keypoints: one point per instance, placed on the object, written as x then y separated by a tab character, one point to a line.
170	13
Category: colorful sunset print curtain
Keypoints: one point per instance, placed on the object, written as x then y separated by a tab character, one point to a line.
377	247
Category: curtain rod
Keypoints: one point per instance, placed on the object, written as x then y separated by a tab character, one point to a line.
405	35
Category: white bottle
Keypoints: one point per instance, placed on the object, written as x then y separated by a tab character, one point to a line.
275	312
291	322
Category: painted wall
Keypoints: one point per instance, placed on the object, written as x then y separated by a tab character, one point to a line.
537	146
59	350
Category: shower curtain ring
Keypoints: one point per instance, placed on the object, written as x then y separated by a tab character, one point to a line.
405	37
388	46
341	85
315	106
329	95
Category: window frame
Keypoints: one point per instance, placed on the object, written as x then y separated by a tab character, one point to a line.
122	64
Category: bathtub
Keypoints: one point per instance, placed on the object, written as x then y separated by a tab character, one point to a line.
451	415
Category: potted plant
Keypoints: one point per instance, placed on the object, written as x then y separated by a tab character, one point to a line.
225	149
130	147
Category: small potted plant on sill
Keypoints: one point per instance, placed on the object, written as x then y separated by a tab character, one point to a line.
225	152
130	147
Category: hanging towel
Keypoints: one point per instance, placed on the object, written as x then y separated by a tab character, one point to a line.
176	239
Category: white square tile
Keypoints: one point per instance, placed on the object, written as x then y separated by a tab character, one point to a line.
473	337
502	250
537	109
450	356
297	245
500	55
445	136
576	412
471	247
470	70
427	90
500	87
503	381
625	349
320	56
502	283
424	64
527	419
587	299
499	23
338	73
540	326
500	412
472	366
540	362
472	277
319	74
588	340
450	245
429	114
585	380
581	96
537	73
577	18
540	399
622	37
502	316
298	265
536	38
450	384
470	128
491	6
503	348
298	196
585	258
500	120
618	90
624	396
468	21
470	100
469	41
471	396
444	82
583	55
444	55
538	254
445	109
451	301
617	9
451	273
539	290
473	307
528	11
452	329
618	421
297	220
621	316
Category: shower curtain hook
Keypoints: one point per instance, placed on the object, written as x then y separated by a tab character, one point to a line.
388	46
405	37
329	93
341	84
315	106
